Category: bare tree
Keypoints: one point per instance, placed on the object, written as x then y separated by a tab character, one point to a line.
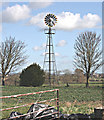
79	76
11	56
88	55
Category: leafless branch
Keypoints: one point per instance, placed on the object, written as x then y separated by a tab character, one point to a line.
11	55
88	55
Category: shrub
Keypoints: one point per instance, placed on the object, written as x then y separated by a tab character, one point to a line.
32	76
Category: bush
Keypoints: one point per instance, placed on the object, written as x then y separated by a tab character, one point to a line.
32	76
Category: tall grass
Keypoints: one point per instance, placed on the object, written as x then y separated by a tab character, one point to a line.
73	99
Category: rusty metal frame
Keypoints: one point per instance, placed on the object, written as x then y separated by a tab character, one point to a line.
13	96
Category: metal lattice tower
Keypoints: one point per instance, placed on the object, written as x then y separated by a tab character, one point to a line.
49	59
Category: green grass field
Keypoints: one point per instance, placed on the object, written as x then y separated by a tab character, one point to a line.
73	99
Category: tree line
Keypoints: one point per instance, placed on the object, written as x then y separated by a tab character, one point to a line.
87	59
64	77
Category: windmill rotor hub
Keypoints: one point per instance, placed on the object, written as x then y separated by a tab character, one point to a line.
50	20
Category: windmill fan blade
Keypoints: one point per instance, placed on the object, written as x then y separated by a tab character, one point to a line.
50	20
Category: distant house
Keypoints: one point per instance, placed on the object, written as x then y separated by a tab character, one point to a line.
98	75
101	75
12	79
95	75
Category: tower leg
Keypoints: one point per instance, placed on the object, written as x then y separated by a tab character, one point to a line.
50	56
49	59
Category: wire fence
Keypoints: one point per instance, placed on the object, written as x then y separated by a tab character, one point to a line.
22	102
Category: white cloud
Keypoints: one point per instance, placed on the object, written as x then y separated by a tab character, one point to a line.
38	20
38	48
61	43
57	54
40	4
21	12
15	13
68	21
43	54
42	47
